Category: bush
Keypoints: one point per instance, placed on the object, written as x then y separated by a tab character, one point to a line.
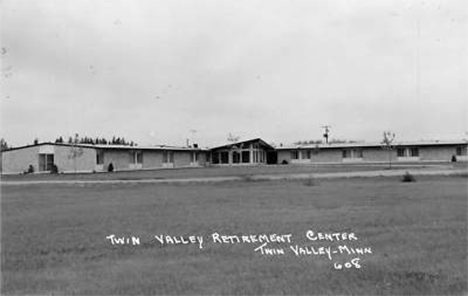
407	177
284	161
54	169
30	169
110	167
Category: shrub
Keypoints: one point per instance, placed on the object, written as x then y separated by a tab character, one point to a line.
407	177
284	161
110	167
54	169
30	169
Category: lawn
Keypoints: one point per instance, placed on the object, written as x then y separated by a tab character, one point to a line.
54	237
231	171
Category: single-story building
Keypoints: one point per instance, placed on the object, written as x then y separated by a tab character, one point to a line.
44	157
88	158
423	151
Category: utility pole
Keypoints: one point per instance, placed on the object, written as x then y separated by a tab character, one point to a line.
326	132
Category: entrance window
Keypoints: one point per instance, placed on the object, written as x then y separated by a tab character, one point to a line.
215	158
224	157
235	157
245	156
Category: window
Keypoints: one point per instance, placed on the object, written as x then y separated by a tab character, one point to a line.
345	154
194	157
136	157
224	157
294	154
139	157
357	153
99	157
245	156
168	157
461	151
235	157
215	157
401	152
46	162
305	154
408	152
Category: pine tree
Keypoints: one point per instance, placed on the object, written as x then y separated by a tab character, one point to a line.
3	145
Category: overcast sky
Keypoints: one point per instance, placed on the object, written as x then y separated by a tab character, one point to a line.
152	71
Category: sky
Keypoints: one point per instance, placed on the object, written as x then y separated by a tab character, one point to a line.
162	72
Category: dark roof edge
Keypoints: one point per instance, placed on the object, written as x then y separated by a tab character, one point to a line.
103	146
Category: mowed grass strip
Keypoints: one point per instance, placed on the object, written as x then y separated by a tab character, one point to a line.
54	237
223	171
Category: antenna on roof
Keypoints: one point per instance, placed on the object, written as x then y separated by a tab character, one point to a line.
193	131
326	132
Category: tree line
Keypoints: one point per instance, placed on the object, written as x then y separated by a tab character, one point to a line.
79	140
316	142
95	141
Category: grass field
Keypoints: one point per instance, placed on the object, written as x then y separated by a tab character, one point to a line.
231	171
54	237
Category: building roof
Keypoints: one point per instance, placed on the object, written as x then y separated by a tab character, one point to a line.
113	147
373	144
261	142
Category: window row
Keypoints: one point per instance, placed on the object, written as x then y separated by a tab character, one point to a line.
136	157
238	157
358	153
